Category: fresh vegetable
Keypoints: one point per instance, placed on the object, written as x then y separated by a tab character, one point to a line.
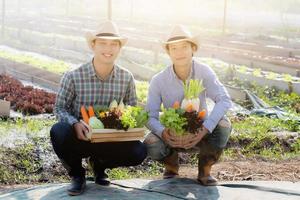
189	108
113	105
127	119
176	105
173	119
141	116
121	106
134	117
202	114
91	111
95	123
84	114
111	120
122	117
194	124
192	90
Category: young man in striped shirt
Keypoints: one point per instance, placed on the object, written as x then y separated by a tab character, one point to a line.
96	83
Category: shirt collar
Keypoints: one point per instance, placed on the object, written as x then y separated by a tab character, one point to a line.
92	71
191	75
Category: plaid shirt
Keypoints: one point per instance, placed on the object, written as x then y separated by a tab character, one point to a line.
82	86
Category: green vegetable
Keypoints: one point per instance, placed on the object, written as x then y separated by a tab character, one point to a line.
193	88
134	117
95	123
172	119
127	119
141	116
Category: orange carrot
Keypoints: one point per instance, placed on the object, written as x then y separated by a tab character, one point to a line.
202	114
84	114
91	111
189	108
176	105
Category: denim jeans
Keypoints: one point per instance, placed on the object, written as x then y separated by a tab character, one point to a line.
112	154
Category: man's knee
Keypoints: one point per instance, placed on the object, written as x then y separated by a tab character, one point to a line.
60	130
59	134
139	152
220	135
156	148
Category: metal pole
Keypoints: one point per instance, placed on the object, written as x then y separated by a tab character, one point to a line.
131	10
3	19
19	7
67	7
109	10
224	17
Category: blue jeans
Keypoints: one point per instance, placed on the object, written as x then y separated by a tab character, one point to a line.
106	155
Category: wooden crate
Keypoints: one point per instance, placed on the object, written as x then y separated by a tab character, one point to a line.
114	135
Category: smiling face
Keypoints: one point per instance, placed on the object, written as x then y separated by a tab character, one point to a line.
105	50
181	53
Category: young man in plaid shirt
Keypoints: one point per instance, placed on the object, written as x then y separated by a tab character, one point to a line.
96	83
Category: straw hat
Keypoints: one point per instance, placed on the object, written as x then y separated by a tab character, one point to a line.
107	30
179	34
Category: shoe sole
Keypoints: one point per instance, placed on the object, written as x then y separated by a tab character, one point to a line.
108	184
77	193
208	184
168	177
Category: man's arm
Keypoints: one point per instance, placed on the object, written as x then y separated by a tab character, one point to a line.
153	107
64	100
218	93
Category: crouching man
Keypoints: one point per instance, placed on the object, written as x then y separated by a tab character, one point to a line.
165	88
96	83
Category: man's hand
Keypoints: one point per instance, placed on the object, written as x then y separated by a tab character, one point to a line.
170	138
81	130
186	141
195	139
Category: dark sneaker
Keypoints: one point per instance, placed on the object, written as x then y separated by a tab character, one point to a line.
102	179
77	187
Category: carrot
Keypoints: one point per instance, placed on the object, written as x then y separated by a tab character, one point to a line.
91	111
189	108
202	114
176	105
84	114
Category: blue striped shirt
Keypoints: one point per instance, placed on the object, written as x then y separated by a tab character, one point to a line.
166	88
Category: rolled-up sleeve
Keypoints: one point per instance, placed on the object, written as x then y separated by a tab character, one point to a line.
153	106
216	91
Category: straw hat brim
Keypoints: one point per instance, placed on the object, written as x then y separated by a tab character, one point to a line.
194	40
91	37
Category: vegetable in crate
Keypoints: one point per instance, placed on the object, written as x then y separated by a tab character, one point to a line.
90	118
119	116
134	117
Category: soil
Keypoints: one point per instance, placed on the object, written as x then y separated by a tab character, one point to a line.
251	170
